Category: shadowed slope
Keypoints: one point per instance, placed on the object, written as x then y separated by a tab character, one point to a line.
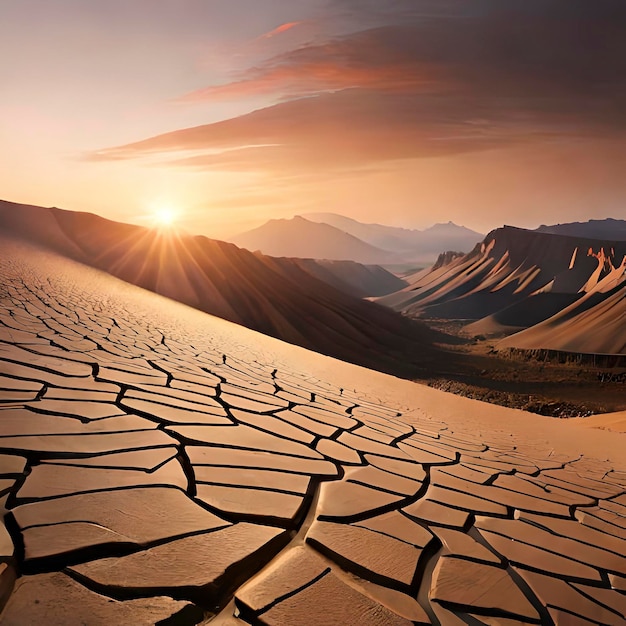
595	324
356	279
593	229
274	296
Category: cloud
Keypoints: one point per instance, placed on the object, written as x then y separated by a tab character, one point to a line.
347	129
383	58
280	29
522	50
431	79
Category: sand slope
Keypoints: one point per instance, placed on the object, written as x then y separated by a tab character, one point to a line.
615	422
279	297
590	325
153	459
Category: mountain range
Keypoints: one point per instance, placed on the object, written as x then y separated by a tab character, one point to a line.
301	238
413	244
564	292
333	236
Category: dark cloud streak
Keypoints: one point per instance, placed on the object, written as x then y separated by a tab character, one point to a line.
437	78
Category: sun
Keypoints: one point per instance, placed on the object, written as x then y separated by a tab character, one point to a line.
164	217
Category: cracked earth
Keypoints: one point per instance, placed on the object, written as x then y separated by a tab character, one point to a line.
160	466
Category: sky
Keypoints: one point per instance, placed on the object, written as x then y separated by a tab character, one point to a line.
233	112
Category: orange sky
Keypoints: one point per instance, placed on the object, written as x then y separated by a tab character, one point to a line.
407	112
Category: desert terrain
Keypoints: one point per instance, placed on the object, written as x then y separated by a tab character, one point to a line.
163	466
313	313
319	305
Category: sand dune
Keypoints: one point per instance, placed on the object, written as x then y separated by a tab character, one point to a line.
615	422
279	297
154	459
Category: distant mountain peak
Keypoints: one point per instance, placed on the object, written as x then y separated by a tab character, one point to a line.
298	237
414	246
449	224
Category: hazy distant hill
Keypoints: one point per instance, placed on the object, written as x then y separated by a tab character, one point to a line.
413	245
305	239
336	237
593	229
272	295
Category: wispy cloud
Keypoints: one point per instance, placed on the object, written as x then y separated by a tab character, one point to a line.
283	28
349	129
382	59
420	85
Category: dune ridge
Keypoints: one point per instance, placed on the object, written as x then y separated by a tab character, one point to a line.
274	296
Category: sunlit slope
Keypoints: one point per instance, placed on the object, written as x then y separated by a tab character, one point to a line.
595	324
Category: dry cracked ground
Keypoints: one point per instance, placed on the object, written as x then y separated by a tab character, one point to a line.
160	466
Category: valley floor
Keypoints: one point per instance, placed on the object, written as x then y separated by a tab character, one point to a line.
475	370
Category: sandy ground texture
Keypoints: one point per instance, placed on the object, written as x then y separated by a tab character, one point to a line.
162	466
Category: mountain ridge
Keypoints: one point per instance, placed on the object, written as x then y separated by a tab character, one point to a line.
334	236
608	228
414	244
517	278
